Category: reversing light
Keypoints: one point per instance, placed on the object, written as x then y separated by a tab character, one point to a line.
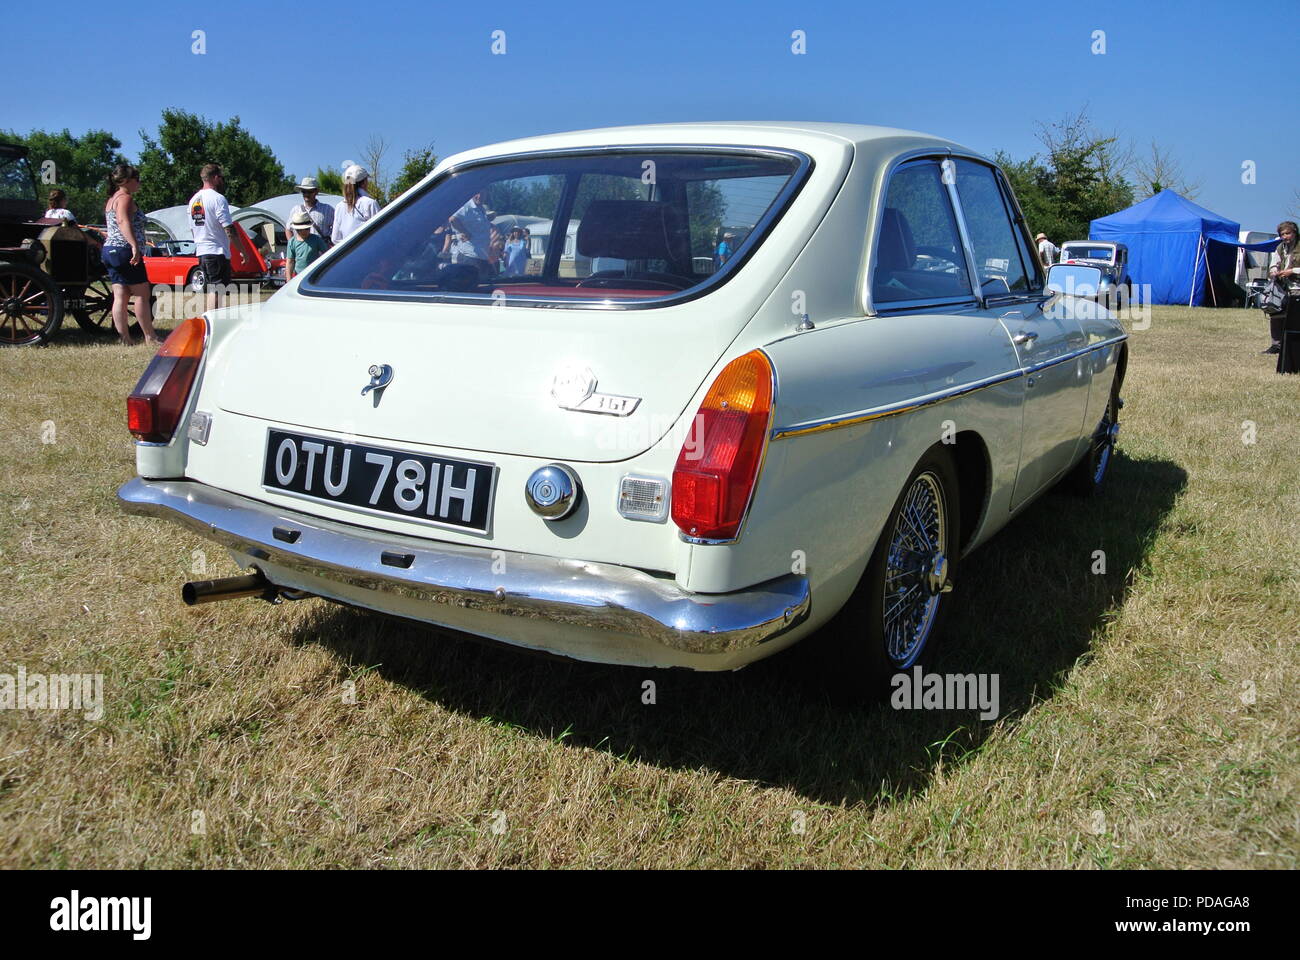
718	465
154	407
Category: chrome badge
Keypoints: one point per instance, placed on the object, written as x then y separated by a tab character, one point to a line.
574	388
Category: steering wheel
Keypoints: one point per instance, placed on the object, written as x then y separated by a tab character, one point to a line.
941	253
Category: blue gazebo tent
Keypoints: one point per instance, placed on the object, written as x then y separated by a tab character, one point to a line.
1186	253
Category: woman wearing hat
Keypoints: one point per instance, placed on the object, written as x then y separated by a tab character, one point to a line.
304	246
357	206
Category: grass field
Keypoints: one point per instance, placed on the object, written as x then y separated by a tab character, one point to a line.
1149	712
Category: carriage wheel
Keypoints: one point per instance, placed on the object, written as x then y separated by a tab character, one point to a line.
98	315
31	306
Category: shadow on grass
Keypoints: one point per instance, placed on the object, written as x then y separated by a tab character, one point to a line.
1026	608
72	335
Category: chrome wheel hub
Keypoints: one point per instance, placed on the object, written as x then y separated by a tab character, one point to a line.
916	570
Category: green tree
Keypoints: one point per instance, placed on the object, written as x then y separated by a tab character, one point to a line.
416	165
170	163
81	166
1080	178
329	181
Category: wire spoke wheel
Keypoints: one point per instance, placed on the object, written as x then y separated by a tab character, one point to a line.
916	569
31	306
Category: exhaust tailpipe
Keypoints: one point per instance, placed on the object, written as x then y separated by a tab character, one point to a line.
228	588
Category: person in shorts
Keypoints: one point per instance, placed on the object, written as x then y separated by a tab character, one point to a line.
213	230
122	254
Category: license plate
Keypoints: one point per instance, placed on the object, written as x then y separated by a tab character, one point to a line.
416	486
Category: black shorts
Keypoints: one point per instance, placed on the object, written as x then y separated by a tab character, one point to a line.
120	269
216	269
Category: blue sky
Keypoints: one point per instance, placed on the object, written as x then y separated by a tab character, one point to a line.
1191	76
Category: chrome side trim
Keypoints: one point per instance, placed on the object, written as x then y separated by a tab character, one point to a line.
572	593
916	403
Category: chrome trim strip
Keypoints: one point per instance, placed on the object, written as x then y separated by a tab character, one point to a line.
959	212
571	593
916	403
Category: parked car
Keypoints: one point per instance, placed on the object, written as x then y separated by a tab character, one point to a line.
175	263
1110	258
654	465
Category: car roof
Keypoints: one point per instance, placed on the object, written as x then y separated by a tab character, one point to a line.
787	134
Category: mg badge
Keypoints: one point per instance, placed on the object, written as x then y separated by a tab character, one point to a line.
572	385
574	388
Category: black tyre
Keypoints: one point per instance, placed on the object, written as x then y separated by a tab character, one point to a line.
1089	474
894	616
31	306
195	280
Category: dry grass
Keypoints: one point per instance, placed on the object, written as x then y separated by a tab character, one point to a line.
1122	693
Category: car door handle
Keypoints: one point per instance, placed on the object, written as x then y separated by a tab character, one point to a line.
1025	337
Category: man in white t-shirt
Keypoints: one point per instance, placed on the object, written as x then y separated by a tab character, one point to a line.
214	232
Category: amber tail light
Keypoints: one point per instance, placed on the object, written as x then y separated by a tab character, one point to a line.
718	465
154	407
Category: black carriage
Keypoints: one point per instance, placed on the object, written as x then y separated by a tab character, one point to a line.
48	267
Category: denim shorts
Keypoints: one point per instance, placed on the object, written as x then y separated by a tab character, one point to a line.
120	270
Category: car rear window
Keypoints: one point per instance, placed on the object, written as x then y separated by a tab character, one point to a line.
1087	253
611	229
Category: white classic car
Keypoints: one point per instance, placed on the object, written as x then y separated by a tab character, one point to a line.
653	463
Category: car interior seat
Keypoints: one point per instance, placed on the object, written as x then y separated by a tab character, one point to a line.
632	231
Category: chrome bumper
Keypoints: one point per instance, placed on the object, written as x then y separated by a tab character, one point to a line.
645	611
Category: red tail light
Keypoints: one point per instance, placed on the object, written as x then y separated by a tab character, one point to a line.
718	465
154	407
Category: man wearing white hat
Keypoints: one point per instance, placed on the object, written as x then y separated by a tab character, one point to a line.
322	214
1047	251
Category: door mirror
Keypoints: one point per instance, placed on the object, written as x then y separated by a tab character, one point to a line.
1074	280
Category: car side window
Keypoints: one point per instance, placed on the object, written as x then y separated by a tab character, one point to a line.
918	252
992	232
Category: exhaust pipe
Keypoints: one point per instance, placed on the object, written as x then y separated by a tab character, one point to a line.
228	588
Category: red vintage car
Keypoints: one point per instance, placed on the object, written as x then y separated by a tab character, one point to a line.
174	262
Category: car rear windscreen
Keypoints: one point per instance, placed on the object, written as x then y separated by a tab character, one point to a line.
619	228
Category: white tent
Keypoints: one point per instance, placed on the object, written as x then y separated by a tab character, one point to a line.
175	221
279	207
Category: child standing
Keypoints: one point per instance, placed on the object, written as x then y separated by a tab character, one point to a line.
304	248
